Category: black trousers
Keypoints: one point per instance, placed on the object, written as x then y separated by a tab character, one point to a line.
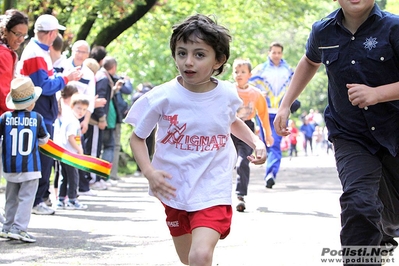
370	198
242	167
92	141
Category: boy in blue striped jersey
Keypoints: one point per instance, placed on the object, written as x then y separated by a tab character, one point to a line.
23	130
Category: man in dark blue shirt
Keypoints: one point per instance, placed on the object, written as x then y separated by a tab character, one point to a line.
359	46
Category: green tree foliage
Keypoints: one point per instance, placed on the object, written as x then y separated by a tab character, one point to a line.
137	32
253	24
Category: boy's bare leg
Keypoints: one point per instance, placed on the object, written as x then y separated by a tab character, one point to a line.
197	249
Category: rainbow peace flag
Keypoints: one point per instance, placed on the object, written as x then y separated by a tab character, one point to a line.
83	162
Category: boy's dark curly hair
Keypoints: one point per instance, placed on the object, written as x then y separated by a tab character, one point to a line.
202	27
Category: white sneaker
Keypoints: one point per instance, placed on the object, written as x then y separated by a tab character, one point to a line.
111	183
87	193
42	209
105	183
21	235
98	185
75	206
4	233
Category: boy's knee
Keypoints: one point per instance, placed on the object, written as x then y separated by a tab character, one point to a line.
200	256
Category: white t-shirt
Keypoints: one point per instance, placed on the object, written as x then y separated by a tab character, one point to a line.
70	125
193	140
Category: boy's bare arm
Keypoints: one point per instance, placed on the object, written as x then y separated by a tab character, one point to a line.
156	178
74	144
243	132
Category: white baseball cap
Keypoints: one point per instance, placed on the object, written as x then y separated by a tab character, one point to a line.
47	23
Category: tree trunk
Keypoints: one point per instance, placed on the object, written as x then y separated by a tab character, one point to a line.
85	28
110	33
8	4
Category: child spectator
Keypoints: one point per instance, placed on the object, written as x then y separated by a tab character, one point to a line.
92	64
58	60
293	138
63	102
70	140
253	103
23	130
190	172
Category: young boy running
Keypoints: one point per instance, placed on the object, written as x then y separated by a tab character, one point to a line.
195	114
253	103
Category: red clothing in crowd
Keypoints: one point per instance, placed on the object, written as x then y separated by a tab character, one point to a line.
8	59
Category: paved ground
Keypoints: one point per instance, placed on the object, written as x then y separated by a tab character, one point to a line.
287	225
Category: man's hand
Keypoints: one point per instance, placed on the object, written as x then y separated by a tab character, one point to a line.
99	102
74	74
102	124
118	85
280	121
